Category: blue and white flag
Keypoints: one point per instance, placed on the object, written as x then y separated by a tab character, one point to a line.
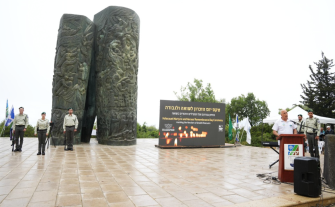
10	117
237	130
237	121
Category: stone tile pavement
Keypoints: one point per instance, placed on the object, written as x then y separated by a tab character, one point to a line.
141	175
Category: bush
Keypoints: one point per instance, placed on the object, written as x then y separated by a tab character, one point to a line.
256	135
29	132
144	131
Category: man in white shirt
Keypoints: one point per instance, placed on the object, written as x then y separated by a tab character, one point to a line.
283	126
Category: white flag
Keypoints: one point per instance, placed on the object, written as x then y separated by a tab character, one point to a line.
247	128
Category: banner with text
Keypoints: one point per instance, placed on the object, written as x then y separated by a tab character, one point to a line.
191	123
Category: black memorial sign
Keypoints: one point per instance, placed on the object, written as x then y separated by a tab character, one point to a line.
191	124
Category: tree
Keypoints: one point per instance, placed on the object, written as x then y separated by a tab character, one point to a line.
287	109
197	93
248	106
301	106
319	92
144	127
145	131
95	124
30	131
6	132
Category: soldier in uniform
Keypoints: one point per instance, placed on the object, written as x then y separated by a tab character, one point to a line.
301	129
20	125
300	125
42	128
70	126
312	131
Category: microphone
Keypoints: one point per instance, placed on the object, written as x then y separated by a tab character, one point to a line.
293	121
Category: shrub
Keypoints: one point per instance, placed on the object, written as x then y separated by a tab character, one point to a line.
29	132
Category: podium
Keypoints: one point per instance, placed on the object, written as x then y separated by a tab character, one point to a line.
293	140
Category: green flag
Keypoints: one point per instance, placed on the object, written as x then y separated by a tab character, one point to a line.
230	130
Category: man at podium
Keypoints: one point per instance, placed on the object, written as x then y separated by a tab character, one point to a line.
283	126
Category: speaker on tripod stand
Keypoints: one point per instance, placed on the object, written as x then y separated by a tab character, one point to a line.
307	177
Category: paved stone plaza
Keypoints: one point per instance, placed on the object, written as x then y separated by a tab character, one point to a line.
141	175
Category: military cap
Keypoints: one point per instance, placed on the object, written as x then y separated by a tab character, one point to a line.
310	110
21	107
299	115
43	113
70	108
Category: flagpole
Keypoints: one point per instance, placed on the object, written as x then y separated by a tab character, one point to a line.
8	118
262	130
237	136
4	124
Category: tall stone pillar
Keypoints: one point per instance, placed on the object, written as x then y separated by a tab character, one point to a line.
329	160
116	68
90	108
71	72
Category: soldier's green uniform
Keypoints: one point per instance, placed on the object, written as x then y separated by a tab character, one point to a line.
310	133
301	127
43	129
69	125
20	123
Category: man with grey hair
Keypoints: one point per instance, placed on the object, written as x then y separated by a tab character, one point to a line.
283	126
329	131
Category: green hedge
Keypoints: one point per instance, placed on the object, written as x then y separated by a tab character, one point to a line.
256	135
29	132
144	131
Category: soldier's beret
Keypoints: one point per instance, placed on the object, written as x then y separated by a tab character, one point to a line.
43	113
310	110
21	107
70	108
299	115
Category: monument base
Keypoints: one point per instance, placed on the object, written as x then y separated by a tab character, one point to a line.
184	147
60	140
117	142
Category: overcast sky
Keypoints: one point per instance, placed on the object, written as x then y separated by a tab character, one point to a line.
264	47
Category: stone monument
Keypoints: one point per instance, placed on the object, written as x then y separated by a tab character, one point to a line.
71	71
329	160
116	68
96	67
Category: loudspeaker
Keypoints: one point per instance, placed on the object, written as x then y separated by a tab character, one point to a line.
307	177
329	161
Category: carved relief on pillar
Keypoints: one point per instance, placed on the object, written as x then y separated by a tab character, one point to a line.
57	132
71	67
117	40
105	86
